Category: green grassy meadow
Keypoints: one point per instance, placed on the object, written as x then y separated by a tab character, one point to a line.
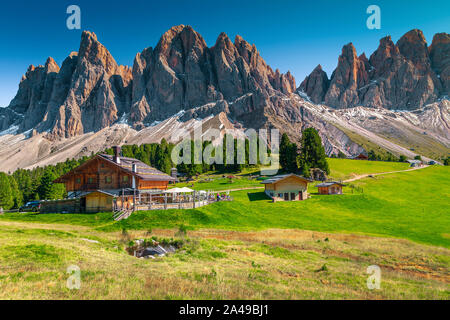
220	184
412	205
394	205
216	264
342	169
249	248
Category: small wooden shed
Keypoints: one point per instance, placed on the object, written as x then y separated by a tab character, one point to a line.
331	187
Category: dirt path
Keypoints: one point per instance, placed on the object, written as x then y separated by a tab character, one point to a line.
358	177
240	189
381	173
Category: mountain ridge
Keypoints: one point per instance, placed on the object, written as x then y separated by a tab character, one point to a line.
401	76
90	92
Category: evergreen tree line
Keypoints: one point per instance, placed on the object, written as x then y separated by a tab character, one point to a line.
310	154
236	156
27	185
159	156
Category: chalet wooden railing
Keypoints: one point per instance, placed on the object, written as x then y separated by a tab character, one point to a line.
90	186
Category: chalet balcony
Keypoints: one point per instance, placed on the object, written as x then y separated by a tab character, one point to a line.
90	186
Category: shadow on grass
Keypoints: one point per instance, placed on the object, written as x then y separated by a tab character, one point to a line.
257	196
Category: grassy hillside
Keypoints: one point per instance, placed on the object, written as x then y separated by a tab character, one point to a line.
220	184
214	264
249	248
421	143
363	141
343	169
412	205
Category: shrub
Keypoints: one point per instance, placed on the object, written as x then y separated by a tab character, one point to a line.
182	230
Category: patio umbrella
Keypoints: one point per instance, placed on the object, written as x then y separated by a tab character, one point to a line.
175	190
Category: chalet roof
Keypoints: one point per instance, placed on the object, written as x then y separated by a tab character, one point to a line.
143	170
280	177
329	184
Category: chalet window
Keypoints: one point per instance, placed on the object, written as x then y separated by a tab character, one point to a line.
125	178
108	179
78	180
90	180
102	165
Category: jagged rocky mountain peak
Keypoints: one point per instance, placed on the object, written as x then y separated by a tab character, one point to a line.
182	75
349	50
182	81
315	85
318	68
440	59
93	52
386	78
413	46
51	65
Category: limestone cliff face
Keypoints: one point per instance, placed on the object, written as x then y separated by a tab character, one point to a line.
174	76
349	75
440	59
405	76
91	91
97	94
316	85
182	73
86	94
34	93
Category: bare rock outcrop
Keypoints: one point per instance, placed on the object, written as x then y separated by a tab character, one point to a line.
34	93
87	94
440	59
174	76
182	76
97	93
315	86
349	76
405	76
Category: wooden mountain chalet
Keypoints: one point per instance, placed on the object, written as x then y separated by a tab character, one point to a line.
108	183
287	187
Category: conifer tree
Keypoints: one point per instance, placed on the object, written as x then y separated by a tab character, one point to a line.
6	196
312	150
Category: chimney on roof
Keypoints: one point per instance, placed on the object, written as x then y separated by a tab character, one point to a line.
116	150
134	170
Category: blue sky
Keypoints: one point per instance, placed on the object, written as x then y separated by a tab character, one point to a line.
293	35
